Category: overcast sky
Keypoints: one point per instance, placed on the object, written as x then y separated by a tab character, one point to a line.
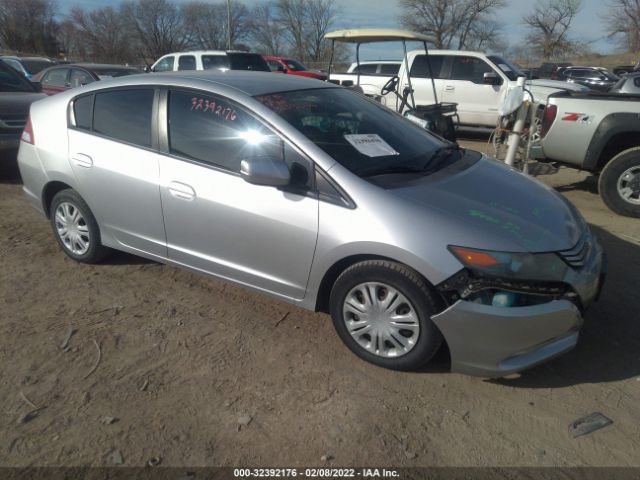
588	25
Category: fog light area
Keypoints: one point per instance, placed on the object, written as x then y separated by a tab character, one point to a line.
506	299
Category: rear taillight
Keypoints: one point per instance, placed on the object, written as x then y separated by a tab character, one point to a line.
548	118
27	133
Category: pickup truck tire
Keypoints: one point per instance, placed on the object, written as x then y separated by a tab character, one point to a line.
619	183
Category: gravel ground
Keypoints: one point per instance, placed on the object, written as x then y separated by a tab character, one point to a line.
162	363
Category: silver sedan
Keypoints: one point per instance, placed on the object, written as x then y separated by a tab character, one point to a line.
323	198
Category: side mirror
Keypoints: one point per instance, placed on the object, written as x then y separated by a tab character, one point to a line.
268	171
37	85
492	78
147	69
281	69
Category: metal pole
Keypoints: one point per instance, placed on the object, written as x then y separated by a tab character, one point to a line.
228	24
433	82
333	47
358	60
406	70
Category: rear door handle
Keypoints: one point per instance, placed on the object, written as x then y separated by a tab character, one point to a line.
82	160
182	191
449	88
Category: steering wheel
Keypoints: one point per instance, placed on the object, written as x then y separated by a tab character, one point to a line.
390	86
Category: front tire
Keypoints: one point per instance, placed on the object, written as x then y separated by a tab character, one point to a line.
619	183
75	228
382	311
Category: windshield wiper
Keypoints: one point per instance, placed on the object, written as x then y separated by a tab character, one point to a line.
440	155
391	169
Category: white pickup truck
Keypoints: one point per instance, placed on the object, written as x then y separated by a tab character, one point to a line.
475	81
374	74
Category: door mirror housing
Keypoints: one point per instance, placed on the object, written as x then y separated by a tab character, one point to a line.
492	78
281	69
37	85
267	171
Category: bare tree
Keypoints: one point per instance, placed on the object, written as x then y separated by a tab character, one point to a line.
266	31
549	24
28	25
100	34
321	15
624	23
451	23
156	26
292	16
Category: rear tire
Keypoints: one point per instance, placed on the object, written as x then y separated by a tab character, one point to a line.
619	183
75	228
382	311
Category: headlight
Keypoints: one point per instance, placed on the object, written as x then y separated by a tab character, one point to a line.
544	267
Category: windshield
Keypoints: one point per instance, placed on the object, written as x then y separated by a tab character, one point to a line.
511	71
11	81
14	64
247	61
363	136
295	66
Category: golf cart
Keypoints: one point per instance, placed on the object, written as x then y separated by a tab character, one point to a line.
437	117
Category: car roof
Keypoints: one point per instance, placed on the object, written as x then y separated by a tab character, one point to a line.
249	83
210	52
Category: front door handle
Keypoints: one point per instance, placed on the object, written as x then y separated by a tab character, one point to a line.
182	191
449	88
82	160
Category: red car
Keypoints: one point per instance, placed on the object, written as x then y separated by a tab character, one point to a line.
292	67
63	77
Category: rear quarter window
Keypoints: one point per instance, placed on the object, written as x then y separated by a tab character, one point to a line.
83	112
124	115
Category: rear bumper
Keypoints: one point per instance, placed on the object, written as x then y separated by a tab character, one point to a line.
493	341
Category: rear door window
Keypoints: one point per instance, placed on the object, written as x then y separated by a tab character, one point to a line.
248	61
56	78
83	111
420	66
389	69
215	62
186	62
124	115
368	69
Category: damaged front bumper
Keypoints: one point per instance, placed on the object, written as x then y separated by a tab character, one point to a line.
493	341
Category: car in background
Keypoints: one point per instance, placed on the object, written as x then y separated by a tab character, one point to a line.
325	199
292	67
63	77
378	67
629	84
35	65
16	64
210	60
623	69
550	69
16	96
596	78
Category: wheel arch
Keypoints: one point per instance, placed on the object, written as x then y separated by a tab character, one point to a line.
616	133
49	191
333	272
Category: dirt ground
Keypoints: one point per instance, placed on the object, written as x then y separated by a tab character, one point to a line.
167	364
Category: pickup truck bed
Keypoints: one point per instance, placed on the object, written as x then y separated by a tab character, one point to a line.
599	133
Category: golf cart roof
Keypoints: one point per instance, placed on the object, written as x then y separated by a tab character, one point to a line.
368	35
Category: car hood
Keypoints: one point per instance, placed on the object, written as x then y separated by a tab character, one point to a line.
501	208
17	104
